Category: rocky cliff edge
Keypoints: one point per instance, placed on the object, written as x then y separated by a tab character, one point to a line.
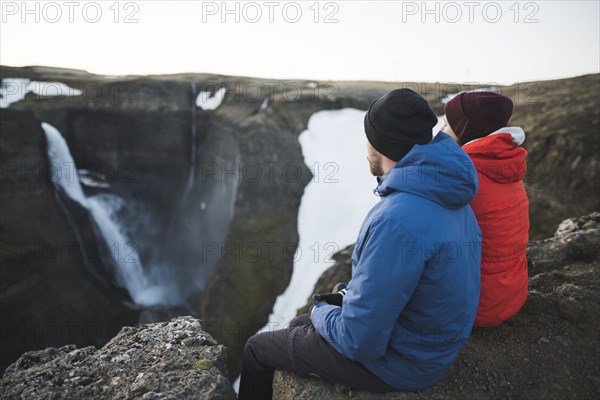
168	360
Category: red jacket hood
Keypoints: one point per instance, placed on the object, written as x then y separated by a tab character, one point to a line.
499	156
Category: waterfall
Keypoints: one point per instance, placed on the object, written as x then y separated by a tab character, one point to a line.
191	174
145	288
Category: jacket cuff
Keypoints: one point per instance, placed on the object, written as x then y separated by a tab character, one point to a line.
319	315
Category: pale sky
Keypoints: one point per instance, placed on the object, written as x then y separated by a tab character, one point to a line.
489	42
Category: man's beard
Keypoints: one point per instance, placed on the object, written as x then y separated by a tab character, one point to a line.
375	166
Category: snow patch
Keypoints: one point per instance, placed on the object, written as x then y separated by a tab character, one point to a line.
208	101
13	90
53	89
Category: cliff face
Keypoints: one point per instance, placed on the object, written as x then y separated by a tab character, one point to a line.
170	360
549	350
207	193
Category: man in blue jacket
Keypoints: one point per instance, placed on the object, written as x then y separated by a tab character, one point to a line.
413	296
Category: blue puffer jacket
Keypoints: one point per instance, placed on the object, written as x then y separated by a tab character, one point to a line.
413	296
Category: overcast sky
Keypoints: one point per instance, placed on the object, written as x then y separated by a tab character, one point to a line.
463	41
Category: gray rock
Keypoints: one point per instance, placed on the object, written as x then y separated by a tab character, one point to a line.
575	240
169	360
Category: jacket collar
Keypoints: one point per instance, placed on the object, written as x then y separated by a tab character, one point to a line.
517	134
380	179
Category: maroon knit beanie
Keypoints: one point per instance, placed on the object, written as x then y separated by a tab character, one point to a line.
473	115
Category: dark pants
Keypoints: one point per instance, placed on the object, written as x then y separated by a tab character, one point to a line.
300	349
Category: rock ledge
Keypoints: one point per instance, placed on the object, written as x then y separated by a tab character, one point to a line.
168	360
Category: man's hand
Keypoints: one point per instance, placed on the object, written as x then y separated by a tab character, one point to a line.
335	298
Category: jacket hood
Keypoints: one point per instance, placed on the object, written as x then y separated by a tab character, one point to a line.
499	156
439	171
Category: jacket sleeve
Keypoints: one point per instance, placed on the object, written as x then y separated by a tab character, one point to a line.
384	279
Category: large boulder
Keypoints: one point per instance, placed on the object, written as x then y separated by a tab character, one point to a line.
549	350
169	360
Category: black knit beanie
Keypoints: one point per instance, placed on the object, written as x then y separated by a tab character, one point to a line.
397	121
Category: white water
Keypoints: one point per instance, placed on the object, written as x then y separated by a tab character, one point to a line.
92	179
145	288
13	90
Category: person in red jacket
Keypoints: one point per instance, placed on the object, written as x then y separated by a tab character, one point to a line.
478	122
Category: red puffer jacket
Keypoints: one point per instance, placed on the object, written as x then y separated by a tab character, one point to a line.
502	210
